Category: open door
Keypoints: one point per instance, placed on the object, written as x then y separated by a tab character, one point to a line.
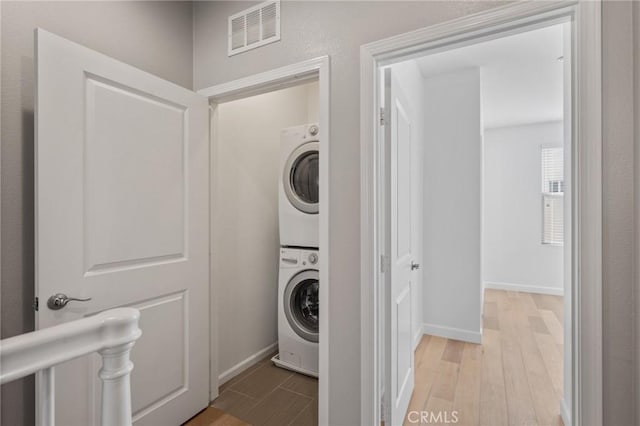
399	380
122	219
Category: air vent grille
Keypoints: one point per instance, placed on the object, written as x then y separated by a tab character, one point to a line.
254	27
270	20
237	32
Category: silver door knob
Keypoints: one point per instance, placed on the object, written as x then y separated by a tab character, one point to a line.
414	265
60	300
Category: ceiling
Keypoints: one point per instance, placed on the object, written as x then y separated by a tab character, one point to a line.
521	75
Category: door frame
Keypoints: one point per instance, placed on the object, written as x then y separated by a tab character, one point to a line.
586	285
280	78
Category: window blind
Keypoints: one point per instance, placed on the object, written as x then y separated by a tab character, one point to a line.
552	196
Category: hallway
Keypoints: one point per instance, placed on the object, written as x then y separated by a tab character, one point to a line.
514	377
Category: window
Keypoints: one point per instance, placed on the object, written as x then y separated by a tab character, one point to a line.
552	196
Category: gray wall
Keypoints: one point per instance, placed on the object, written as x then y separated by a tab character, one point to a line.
636	73
618	221
311	29
157	37
154	36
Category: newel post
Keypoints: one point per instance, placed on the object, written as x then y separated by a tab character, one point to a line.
116	385
121	331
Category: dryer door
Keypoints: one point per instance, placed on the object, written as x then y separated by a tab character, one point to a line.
301	178
301	304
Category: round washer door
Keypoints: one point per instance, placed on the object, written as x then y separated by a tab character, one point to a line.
301	304
301	178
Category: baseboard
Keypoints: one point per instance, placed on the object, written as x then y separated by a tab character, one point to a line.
525	288
417	337
245	364
452	333
565	413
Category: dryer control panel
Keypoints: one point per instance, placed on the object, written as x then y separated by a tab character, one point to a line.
295	258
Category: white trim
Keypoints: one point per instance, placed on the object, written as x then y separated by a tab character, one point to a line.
213	298
565	414
587	182
452	333
318	68
266	81
417	337
245	364
370	383
556	291
587	218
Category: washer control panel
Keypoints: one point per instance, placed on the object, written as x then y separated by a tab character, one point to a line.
289	258
309	258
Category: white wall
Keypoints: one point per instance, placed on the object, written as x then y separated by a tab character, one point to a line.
452	205
513	255
245	224
411	83
313	102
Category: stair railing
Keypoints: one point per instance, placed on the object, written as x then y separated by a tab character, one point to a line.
112	334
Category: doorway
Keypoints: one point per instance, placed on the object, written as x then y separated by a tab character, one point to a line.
307	82
378	212
246	245
489	121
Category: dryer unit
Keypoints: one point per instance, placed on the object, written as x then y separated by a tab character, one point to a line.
299	186
298	310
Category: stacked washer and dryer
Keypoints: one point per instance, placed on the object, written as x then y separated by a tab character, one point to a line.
298	280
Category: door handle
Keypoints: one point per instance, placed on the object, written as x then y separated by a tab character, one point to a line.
60	300
414	266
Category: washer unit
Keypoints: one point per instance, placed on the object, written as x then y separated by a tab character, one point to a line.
298	192
298	311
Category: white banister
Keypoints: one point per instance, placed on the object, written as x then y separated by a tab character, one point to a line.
116	389
46	400
111	333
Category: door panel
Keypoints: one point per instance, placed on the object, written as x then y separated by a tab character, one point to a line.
401	139
122	217
150	389
399	356
402	333
133	218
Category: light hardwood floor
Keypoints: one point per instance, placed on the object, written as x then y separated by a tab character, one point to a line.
513	378
212	416
263	395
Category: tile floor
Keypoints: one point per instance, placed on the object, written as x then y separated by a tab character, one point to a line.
263	395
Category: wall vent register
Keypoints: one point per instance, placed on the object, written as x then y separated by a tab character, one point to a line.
254	27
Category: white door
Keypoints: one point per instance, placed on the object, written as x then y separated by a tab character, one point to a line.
399	357
122	218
